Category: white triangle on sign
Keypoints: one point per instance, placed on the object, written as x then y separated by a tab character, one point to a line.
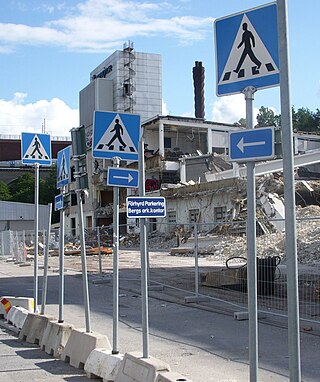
36	150
63	170
249	55
116	138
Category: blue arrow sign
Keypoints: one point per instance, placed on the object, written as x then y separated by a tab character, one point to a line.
146	207
58	202
122	177
63	167
247	50
116	135
251	145
36	148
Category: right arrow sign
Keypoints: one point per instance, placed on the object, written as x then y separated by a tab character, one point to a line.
251	145
122	177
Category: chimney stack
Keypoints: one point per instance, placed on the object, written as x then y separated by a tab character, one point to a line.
198	83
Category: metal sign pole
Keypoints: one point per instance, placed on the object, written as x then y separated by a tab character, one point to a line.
251	247
45	265
143	249
196	260
289	194
77	175
116	163
36	238
99	251
61	262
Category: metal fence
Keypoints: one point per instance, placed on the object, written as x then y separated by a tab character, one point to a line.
200	259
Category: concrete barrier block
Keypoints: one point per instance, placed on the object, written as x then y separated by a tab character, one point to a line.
171	376
80	344
5	306
135	368
24	302
17	316
55	338
103	364
34	327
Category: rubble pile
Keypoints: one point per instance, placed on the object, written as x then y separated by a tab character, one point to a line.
222	247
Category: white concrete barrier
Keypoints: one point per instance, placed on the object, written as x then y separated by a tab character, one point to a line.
34	327
80	344
134	368
103	364
55	337
24	302
171	377
17	316
5	306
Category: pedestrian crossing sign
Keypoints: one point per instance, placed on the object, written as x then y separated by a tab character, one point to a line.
63	167
247	50
36	148
116	135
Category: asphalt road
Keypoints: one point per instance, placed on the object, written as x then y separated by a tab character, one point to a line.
202	343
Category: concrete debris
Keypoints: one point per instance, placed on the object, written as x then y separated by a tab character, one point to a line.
219	248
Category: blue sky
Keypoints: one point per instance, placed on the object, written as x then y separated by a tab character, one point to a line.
49	47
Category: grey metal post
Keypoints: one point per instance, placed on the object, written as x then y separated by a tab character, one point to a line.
36	237
45	263
289	194
143	250
251	247
61	264
99	251
82	244
196	260
24	244
115	350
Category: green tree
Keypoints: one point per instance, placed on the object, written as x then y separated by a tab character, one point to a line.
304	120
267	117
4	191
22	189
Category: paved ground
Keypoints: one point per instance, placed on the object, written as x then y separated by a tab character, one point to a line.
20	361
202	342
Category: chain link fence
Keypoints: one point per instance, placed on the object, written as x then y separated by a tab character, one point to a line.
205	259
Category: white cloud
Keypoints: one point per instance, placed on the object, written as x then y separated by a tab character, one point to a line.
16	116
230	109
99	25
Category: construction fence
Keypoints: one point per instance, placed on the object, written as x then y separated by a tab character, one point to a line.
200	259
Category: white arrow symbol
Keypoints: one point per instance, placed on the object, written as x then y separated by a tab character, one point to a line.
241	145
129	177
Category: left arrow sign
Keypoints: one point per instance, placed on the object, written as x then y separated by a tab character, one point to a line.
242	145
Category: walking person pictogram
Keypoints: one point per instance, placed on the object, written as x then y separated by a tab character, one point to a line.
118	129
63	173
247	39
36	146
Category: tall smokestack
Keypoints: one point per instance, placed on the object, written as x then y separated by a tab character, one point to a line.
198	83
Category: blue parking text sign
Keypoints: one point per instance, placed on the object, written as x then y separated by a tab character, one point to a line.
251	145
146	207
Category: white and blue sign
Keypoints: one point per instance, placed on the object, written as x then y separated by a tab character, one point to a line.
36	148
63	167
247	50
58	202
122	177
146	207
251	145
116	135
